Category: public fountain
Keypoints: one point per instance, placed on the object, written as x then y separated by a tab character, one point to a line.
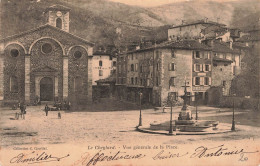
185	124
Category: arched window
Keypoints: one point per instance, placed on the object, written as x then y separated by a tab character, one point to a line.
100	63
59	23
78	84
13	84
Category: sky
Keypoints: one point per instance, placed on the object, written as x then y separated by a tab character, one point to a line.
152	3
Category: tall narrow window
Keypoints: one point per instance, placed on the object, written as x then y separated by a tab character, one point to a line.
100	72
59	23
132	67
207	67
171	67
13	84
100	63
224	83
197	81
206	81
172	81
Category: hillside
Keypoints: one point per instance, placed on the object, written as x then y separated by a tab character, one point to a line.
97	20
223	12
93	20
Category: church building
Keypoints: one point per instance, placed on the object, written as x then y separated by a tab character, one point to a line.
47	63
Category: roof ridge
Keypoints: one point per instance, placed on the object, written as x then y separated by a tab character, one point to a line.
43	26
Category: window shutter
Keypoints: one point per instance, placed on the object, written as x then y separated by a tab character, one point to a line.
201	80
201	67
208	55
204	67
169	66
209	67
193	55
174	67
209	80
194	80
194	67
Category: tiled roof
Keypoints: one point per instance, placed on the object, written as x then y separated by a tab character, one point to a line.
184	44
223	47
199	22
247	38
107	80
240	45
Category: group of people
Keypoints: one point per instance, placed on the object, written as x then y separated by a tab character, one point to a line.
58	106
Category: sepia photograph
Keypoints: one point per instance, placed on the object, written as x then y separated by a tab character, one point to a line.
129	83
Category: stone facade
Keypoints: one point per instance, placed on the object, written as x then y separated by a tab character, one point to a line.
46	58
158	72
162	70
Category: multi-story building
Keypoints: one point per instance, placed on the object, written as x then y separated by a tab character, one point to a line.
195	29
103	65
161	70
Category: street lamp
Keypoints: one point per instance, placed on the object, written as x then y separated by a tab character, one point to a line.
170	99
196	103
140	102
171	129
233	128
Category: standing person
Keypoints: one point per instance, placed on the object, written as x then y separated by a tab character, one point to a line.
69	105
22	109
46	109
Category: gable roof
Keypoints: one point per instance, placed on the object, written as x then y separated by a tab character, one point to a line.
200	22
181	44
43	27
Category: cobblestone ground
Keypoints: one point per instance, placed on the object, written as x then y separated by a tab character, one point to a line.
116	127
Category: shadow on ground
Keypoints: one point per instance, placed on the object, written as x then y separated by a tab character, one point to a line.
109	104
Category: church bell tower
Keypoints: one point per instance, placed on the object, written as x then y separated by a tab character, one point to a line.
58	16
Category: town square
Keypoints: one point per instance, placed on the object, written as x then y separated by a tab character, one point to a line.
119	82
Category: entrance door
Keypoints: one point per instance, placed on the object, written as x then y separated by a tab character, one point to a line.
46	89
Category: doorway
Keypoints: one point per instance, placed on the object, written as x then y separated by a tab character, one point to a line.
46	89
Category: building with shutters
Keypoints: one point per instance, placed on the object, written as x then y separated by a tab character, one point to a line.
162	69
46	63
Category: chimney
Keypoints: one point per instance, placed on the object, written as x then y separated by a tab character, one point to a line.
205	19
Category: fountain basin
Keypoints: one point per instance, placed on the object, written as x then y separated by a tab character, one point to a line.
185	125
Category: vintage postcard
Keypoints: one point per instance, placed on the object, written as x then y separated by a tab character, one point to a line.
129	82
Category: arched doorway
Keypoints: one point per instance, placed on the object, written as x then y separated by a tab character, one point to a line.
46	89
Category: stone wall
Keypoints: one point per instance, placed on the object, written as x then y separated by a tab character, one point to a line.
39	60
222	71
183	70
78	68
14	67
30	44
